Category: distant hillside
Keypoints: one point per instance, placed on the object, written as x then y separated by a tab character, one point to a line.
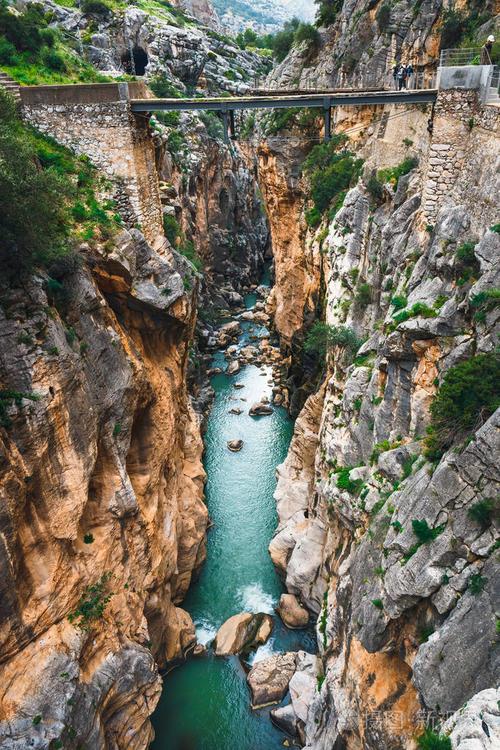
261	15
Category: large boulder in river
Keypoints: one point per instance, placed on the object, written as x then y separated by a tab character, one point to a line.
235	445
260	410
232	329
293	614
233	367
269	679
303	684
242	633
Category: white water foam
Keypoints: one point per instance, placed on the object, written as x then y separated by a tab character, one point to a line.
253	598
205	632
263	652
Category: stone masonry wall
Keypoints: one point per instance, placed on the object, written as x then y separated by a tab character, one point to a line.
461	126
119	144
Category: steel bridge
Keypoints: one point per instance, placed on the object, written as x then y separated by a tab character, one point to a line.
323	100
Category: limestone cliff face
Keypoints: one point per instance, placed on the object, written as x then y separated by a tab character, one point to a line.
212	192
296	263
102	484
360	47
402	631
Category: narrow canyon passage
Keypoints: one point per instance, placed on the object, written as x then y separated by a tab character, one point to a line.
206	703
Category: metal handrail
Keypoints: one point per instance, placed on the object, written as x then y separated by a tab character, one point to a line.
460	56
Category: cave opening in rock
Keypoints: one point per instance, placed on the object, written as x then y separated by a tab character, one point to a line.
135	60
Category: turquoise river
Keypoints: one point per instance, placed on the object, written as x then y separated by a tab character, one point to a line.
205	702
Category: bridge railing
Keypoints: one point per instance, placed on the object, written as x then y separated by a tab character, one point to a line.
457	57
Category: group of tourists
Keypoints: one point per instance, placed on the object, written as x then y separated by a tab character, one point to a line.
402	75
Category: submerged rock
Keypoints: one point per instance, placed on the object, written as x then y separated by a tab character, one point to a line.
238	385
269	679
260	410
235	410
242	633
235	445
293	614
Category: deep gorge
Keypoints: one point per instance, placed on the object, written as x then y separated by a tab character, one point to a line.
253	380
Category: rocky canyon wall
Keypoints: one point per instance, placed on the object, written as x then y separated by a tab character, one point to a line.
406	628
102	488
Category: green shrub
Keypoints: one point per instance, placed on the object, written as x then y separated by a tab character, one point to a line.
213	125
230	75
408	465
171	228
163	88
331	170
117	429
7	52
495	228
468	395
364	295
53	60
429	740
313	217
382	447
424	532
92	603
484	302
27	31
352	486
283	41
88	538
383	17
375	188
399	302
169	119
392	174
328	11
465	253
95	7
37	719
321	337
308	34
378	603
482	512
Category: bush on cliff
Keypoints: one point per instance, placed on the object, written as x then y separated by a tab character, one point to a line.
468	395
321	337
328	11
430	740
332	170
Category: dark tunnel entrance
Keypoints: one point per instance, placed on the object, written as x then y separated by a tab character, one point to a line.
134	61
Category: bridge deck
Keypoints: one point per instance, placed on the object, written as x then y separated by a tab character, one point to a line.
323	100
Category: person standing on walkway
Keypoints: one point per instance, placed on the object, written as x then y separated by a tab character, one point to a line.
395	71
409	75
486	50
401	76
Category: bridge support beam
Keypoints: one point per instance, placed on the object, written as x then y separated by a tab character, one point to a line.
327	119
225	125
232	126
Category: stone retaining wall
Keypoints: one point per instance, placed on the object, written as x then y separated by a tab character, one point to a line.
465	133
116	141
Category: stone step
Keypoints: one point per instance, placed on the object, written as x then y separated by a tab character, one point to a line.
10	85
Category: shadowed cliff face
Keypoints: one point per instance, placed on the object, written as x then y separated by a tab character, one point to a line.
102	483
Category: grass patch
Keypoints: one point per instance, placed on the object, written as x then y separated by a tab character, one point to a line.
392	175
